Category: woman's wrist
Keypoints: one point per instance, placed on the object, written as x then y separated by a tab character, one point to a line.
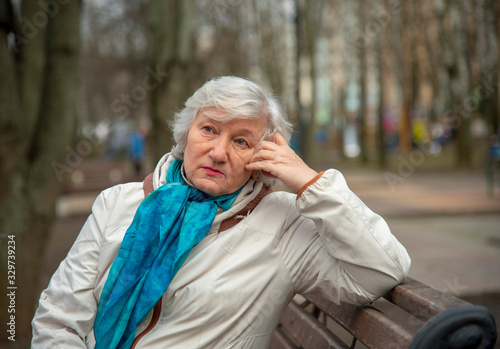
308	183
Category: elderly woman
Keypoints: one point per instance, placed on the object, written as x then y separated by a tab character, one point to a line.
203	254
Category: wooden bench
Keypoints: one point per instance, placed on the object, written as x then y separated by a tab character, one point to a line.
412	315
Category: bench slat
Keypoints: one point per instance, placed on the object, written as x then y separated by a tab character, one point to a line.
281	340
370	326
421	300
308	331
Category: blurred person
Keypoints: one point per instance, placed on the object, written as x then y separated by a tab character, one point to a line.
420	133
492	163
137	150
203	254
494	148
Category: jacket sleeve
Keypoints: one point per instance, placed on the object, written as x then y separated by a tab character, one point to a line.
338	248
67	307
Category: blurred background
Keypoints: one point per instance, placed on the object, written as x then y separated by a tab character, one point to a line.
401	96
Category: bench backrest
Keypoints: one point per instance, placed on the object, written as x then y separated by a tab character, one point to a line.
413	315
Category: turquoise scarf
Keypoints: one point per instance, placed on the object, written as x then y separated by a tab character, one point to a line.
166	226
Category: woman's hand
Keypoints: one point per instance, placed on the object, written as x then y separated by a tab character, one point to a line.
276	159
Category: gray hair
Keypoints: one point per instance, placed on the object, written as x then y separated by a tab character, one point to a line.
239	98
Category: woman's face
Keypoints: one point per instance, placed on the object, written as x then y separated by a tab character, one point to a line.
217	151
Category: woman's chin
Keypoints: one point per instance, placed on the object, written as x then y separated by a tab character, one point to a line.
209	187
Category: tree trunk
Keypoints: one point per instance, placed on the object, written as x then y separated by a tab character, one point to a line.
32	65
301	47
28	207
171	26
382	158
12	211
308	30
362	128
459	82
299	108
495	30
488	56
427	13
271	43
408	67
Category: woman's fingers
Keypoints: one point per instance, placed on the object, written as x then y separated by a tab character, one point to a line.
279	139
268	145
263	155
276	159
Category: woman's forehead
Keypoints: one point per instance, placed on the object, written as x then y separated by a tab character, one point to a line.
255	126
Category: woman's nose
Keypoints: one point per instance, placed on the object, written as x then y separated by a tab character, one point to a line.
219	150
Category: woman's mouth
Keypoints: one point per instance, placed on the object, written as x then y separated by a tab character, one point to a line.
212	171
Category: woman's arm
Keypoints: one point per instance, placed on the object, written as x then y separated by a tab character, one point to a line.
342	249
67	307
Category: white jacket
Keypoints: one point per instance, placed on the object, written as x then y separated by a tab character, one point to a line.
235	284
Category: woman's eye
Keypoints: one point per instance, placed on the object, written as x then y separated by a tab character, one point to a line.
241	142
208	129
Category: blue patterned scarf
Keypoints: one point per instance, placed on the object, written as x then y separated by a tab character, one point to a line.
166	226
